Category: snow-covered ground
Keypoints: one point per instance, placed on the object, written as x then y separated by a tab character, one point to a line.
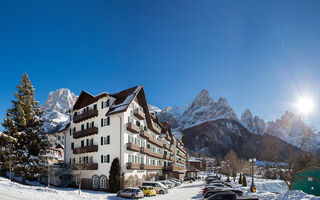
266	190
12	190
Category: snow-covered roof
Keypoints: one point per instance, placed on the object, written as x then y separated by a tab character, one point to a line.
123	100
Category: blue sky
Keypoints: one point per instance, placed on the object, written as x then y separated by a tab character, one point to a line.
260	55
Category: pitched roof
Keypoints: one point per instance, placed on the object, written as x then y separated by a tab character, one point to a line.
86	98
123	99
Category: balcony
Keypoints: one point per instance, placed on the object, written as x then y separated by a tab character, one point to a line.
155	155
87	149
167	157
181	149
166	146
133	147
156	142
173	168
144	134
168	137
133	128
87	166
155	129
180	161
139	114
131	165
86	132
181	155
86	115
145	166
144	150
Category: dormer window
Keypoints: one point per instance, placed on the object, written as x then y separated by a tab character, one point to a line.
105	104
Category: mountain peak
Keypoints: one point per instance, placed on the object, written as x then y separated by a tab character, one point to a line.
55	108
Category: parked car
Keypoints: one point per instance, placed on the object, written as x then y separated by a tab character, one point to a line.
133	193
218	182
189	179
158	186
148	191
176	183
168	184
230	196
212	192
212	187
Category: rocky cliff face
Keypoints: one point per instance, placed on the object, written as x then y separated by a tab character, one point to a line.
254	124
55	109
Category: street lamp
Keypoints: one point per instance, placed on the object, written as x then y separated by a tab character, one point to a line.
252	187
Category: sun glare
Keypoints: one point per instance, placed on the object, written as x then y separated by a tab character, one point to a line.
305	105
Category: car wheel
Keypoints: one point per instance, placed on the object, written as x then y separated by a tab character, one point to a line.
148	195
161	192
133	197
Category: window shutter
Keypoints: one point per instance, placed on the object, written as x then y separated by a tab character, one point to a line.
101	122
70	131
108	158
101	140
108	121
108	139
102	105
92	124
101	158
87	125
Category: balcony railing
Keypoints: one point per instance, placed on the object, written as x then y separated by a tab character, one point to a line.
139	114
86	132
131	165
180	161
155	142
87	166
181	149
155	129
166	146
145	150
144	134
86	149
133	128
167	157
145	166
168	137
85	115
173	168
154	154
133	147
181	155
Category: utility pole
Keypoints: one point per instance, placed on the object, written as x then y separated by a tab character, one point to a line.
48	176
252	187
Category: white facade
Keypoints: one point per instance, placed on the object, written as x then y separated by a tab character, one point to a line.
140	158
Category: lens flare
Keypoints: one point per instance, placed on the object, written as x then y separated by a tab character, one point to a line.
305	105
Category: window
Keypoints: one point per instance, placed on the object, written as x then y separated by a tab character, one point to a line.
70	131
75	114
105	158
138	123
82	143
82	127
77	180
95	181
105	140
74	129
90	159
105	122
105	104
79	160
103	182
72	145
95	106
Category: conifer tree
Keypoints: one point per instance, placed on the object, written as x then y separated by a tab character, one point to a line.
114	176
244	181
240	179
22	122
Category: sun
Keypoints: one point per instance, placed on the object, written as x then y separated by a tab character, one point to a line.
305	105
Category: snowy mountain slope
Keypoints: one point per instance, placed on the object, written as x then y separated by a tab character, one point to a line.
254	124
201	109
292	129
55	109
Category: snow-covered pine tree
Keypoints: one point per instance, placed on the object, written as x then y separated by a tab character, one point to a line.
22	122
